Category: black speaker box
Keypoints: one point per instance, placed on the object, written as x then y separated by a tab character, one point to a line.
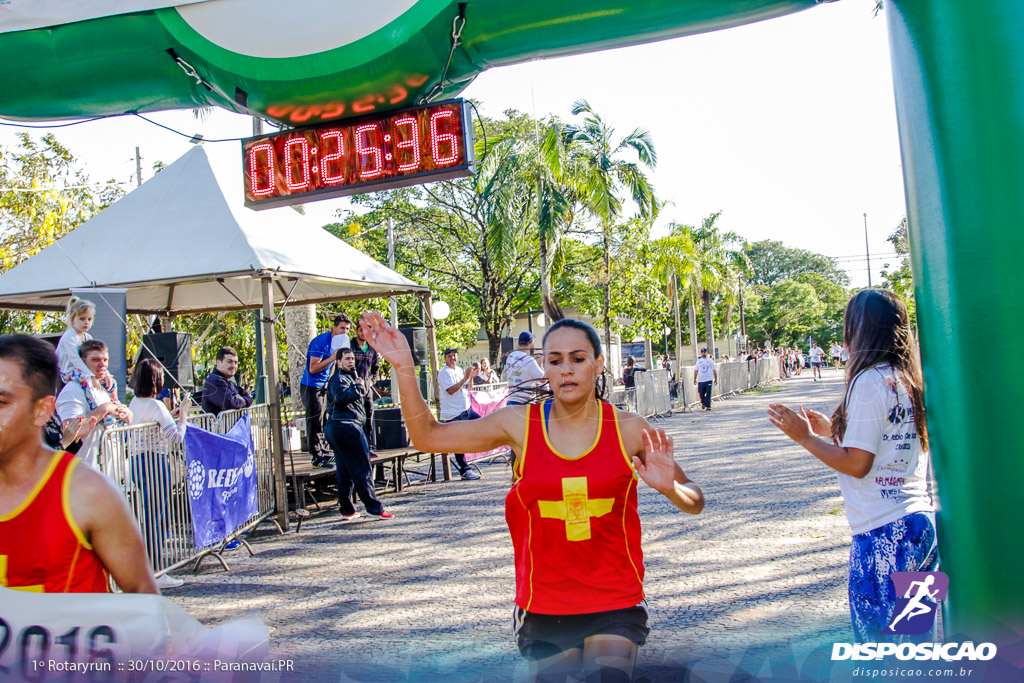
389	428
174	351
417	338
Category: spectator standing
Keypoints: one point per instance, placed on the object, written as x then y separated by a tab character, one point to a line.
705	374
627	373
454	388
63	526
346	403
86	411
367	368
892	518
522	372
146	407
220	393
319	360
487	373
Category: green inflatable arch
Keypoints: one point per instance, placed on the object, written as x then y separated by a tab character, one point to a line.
959	86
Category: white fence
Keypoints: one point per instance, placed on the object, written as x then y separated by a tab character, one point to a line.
150	469
653	393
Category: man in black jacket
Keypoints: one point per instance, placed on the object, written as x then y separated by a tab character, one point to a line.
219	392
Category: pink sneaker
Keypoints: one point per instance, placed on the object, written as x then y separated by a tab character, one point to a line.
349	518
384	514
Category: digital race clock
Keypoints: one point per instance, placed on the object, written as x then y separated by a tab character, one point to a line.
406	147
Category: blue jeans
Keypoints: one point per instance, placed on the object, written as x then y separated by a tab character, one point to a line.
460	458
704	391
352	466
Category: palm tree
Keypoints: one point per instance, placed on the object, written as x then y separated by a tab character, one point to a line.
675	262
715	255
603	175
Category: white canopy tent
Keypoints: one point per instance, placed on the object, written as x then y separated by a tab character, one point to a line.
181	244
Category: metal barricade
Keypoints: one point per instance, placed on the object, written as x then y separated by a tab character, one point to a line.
644	394
660	388
150	469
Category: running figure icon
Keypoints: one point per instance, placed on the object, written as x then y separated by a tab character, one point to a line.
915	608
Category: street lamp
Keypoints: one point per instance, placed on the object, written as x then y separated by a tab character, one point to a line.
440	310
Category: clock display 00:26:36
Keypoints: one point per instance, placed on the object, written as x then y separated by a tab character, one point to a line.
412	146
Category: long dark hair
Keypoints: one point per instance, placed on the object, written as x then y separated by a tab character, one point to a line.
877	330
543	391
148	379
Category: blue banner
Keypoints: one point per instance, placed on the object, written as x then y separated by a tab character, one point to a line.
221	480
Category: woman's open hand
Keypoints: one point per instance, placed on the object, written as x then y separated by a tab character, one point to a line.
795	425
659	470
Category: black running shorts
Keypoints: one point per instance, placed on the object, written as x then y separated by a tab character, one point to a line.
544	635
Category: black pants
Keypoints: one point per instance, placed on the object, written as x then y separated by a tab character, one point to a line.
314	428
460	458
704	391
352	466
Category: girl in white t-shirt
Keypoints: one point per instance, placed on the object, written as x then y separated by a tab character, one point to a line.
877	439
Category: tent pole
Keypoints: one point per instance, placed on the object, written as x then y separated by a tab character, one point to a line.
428	321
270	341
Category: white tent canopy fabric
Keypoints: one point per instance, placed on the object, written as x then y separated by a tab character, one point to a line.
180	245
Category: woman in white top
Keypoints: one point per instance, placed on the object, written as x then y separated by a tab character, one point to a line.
150	470
877	439
148	384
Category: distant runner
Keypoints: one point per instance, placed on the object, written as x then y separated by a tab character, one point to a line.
817	355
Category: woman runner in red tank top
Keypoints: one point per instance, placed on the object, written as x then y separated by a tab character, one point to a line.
572	510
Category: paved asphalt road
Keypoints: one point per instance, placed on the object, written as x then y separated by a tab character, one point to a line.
428	595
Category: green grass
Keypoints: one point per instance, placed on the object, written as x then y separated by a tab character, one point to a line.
763	390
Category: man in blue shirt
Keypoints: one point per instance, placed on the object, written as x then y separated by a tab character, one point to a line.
319	361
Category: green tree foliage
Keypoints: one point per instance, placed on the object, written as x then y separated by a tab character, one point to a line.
900	280
604	174
44	195
787	312
772	262
473	240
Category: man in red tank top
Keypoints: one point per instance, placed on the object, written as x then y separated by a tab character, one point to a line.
63	525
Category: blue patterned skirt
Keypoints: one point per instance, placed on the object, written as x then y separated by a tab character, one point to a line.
906	545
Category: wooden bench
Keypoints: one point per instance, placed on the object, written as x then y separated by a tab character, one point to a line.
303	475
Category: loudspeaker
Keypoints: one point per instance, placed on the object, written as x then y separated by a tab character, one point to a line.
417	338
389	429
174	351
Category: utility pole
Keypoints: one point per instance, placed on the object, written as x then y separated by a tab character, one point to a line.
395	397
743	320
866	248
138	167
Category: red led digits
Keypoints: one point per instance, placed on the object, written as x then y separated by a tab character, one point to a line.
365	133
437	139
291	163
334	159
365	154
412	143
255	167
